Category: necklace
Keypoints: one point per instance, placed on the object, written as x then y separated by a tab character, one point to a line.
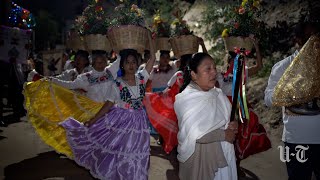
126	93
130	89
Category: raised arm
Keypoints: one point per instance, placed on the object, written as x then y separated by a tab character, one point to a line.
114	67
105	109
80	82
64	75
255	69
203	46
150	63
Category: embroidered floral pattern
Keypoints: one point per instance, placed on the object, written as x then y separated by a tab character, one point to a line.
99	79
126	96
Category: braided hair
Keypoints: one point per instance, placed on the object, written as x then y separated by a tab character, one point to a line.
193	65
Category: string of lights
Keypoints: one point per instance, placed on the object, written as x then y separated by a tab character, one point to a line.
20	17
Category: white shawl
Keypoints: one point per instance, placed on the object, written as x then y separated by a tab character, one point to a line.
198	113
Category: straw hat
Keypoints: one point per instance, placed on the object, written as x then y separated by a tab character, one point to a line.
300	82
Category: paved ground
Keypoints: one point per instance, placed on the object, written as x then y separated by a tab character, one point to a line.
23	156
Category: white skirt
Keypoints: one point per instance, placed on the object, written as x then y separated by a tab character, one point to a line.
229	172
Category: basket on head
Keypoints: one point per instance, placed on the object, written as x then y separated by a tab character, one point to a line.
128	37
162	43
237	41
185	44
97	42
75	42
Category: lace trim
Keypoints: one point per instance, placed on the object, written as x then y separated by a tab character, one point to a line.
97	174
127	129
75	98
54	101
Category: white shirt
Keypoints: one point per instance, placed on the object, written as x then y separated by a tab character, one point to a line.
71	74
177	76
31	75
133	90
98	85
160	79
68	65
297	129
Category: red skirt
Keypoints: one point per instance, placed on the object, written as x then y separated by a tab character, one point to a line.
159	107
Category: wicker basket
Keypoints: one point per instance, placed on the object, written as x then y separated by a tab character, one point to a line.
240	42
186	44
75	42
97	42
162	43
128	37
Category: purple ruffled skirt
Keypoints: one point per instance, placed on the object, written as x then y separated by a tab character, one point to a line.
117	146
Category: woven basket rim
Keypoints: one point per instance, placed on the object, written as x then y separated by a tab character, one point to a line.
174	37
124	26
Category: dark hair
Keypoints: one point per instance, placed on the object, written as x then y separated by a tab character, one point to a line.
193	64
98	55
231	56
163	52
184	60
125	53
300	28
83	54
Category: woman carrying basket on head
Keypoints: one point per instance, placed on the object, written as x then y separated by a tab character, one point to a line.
115	143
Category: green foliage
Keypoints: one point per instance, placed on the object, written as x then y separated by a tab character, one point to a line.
126	14
242	19
164	6
180	27
214	20
93	20
160	27
217	52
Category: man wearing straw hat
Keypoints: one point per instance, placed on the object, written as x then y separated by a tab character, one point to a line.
302	121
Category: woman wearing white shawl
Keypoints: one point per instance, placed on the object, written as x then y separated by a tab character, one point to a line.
205	135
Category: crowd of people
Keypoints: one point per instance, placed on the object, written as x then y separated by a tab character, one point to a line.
186	101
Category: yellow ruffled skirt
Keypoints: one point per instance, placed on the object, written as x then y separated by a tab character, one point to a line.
48	104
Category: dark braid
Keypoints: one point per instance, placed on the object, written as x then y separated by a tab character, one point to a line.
184	61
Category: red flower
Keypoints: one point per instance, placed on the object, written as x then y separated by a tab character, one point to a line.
236	50
242	10
127	105
154	35
236	25
99	8
86	26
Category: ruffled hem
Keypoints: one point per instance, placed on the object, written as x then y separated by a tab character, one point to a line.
117	143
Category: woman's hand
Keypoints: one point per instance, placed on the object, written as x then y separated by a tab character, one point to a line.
233	126
200	41
230	136
90	122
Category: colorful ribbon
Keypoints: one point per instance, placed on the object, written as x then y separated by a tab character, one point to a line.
242	98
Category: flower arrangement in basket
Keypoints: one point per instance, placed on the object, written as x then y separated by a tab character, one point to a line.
93	25
127	30
162	31
242	23
182	41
